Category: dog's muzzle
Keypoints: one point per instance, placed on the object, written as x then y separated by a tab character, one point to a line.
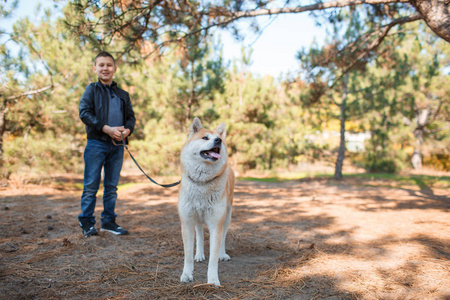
214	153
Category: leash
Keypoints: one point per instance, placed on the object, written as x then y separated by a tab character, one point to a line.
135	162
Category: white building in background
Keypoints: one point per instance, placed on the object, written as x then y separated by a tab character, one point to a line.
354	141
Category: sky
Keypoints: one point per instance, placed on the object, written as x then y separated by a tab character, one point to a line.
274	50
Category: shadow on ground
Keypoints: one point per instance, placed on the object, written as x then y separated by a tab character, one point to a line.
314	239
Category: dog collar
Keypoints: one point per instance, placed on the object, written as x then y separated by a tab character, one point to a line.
203	182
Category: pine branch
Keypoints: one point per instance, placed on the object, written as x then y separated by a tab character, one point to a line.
33	92
436	130
433	118
382	32
312	7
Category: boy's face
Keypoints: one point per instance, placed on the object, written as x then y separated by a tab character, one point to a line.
105	68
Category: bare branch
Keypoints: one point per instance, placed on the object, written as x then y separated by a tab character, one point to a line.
433	118
233	16
33	92
312	7
382	32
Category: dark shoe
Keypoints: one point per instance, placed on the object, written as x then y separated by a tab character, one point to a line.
113	228
88	229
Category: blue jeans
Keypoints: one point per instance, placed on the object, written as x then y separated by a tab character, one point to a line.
98	155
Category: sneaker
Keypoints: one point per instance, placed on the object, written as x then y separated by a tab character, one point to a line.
113	228
88	229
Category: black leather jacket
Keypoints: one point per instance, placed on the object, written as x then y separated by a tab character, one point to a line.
94	109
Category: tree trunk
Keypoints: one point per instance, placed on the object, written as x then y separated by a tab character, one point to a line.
422	117
436	14
187	117
191	97
416	159
3	111
341	152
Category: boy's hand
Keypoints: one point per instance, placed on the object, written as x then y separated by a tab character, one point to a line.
126	132
114	132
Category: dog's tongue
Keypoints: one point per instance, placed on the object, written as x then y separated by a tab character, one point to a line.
214	154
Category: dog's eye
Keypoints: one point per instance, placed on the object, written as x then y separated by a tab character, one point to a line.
205	138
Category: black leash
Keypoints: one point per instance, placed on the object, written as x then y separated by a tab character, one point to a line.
135	162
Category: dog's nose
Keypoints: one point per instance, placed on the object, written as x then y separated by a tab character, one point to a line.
217	141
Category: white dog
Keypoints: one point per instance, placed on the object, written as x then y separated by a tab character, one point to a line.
206	196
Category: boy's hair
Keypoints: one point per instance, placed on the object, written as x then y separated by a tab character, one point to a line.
104	54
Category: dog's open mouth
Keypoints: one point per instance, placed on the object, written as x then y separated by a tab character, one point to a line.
213	154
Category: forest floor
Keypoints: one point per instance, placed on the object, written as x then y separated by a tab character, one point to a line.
358	238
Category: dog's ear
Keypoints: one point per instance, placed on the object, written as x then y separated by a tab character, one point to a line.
195	127
222	130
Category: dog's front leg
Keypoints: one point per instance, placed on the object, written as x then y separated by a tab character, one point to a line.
222	254
215	239
200	252
187	231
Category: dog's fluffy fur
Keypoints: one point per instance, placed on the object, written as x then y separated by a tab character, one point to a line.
206	196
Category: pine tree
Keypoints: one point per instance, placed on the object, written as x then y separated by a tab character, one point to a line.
426	91
333	72
42	88
136	21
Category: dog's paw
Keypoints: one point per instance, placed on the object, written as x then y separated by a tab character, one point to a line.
186	278
224	257
214	282
199	257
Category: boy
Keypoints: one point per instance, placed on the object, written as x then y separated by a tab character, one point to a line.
107	112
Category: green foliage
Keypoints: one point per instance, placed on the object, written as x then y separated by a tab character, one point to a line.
269	126
385	160
405	181
264	133
408	102
43	153
159	152
438	161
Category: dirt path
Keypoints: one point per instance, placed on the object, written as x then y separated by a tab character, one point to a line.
312	239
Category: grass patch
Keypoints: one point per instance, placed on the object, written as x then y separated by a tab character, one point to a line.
422	181
386	179
258	179
79	186
286	177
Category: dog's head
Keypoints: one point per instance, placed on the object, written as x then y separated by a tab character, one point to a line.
208	145
205	150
